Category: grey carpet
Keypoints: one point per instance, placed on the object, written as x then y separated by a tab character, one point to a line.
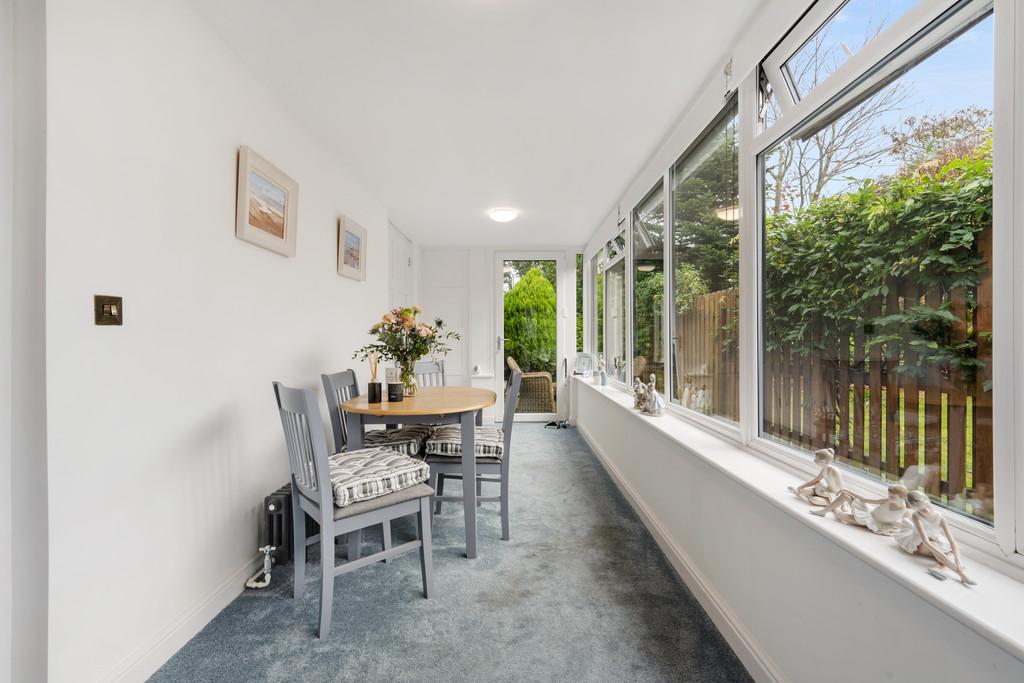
580	593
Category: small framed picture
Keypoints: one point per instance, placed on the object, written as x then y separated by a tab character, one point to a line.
267	208
351	249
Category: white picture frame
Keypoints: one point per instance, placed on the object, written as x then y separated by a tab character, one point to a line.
267	204
351	249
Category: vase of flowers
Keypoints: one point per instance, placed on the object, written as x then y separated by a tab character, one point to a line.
403	339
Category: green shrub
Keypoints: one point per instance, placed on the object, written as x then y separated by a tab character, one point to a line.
531	323
830	267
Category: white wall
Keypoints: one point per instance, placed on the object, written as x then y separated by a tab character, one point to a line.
6	332
23	529
163	434
808	609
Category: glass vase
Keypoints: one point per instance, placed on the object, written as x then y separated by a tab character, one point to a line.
408	375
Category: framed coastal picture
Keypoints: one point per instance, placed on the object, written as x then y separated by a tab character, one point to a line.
267	208
351	249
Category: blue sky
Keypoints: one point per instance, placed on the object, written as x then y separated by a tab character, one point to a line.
959	75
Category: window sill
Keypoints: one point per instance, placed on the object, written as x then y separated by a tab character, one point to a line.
991	609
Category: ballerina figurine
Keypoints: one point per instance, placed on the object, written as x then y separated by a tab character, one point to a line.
826	485
881	516
925	532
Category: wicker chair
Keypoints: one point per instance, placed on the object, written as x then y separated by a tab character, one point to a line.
537	392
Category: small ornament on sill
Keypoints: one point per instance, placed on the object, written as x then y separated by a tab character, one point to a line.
925	532
883	516
824	487
639	394
654	404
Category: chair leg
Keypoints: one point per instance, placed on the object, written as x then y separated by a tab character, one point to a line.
386	531
433	485
423	522
504	507
298	546
479	491
440	492
326	581
355	542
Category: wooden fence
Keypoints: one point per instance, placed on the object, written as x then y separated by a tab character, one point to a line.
707	352
933	427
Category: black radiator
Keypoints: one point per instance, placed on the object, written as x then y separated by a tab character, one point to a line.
277	524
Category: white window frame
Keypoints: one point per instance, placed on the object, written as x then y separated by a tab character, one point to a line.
728	429
884	58
657	188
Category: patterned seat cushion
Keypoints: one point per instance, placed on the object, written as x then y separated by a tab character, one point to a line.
488	442
371	472
407	440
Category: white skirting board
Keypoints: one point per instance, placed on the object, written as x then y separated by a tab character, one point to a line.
144	662
758	664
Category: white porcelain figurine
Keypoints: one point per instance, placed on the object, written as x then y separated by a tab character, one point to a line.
639	394
881	516
655	404
925	532
826	485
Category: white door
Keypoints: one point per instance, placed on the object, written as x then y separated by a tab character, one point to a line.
400	285
535	326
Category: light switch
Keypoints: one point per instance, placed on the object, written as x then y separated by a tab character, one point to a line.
108	309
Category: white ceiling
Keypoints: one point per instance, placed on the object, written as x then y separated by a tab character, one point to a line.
446	108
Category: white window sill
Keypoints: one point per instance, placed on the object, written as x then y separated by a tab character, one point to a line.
992	608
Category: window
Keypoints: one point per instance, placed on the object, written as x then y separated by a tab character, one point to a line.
615	312
597	303
877	284
705	273
649	287
852	27
579	303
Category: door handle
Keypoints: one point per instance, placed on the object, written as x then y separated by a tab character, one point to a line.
498	347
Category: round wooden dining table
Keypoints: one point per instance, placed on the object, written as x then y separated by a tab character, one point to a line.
431	406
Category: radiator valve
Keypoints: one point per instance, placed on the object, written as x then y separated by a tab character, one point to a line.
268	562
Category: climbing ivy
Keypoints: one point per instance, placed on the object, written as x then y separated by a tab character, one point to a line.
831	266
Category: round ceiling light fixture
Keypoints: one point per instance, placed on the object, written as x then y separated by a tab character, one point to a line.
503	215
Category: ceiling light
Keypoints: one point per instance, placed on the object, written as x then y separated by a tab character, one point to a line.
728	213
646	267
503	215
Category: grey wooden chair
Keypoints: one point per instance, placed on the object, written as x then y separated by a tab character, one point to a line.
340	387
489	467
313	495
430	373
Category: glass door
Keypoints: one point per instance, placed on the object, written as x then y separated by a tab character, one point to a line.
532	317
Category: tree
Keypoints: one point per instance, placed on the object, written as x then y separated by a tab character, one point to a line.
514	271
531	323
928	143
706	230
799	170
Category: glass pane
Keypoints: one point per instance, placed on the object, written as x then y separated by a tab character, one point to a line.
579	302
844	34
649	288
705	281
597	305
615	320
878	284
531	339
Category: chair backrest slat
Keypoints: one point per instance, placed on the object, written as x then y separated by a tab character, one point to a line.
307	448
511	396
430	373
339	387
